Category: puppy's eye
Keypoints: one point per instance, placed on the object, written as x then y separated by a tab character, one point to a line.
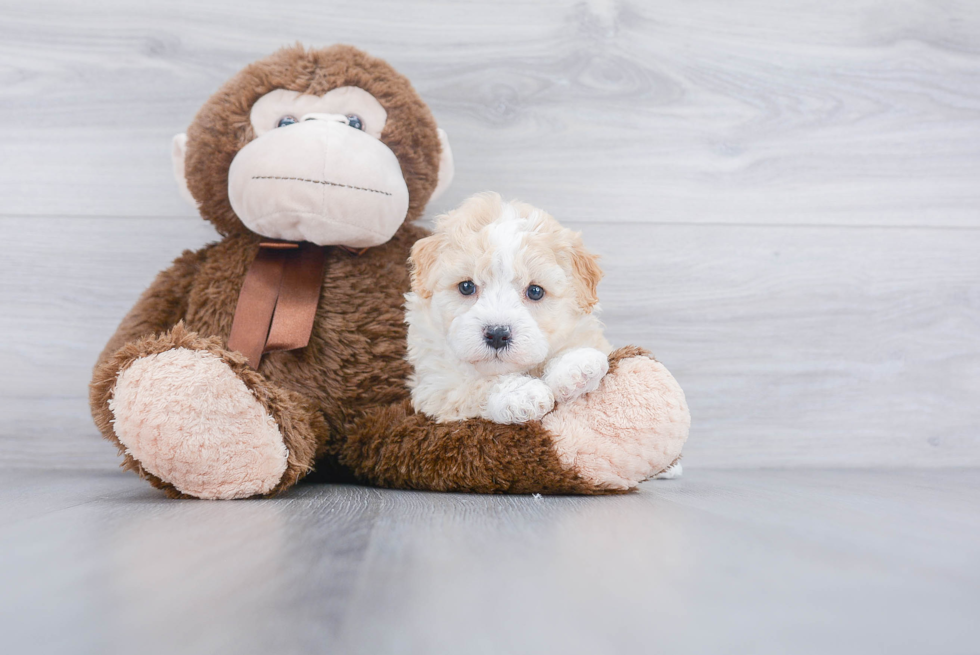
467	288
534	292
355	121
286	120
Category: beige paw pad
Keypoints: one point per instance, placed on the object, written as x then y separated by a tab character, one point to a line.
633	426
191	421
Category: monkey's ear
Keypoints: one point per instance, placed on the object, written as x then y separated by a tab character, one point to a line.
446	166
179	152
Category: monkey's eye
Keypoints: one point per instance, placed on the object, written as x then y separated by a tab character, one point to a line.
467	288
286	120
534	292
355	121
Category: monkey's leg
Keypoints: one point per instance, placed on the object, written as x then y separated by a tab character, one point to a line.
196	421
632	427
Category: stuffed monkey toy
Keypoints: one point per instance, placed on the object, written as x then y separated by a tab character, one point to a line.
281	347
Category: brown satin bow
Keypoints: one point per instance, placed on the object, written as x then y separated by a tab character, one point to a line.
278	300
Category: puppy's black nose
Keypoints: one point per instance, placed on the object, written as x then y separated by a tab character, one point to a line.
497	336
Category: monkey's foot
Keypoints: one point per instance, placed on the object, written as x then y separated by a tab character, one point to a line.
629	429
188	419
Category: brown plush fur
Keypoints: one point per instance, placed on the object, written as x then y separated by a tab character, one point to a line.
342	401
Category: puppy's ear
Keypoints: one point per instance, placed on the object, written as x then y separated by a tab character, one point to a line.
585	274
425	252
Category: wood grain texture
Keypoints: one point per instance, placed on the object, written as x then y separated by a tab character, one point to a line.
786	194
775	112
795	346
718	562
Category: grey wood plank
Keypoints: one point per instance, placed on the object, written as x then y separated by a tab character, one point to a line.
796	346
808	346
66	285
718	561
631	111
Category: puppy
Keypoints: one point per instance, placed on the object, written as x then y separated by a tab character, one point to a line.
502	315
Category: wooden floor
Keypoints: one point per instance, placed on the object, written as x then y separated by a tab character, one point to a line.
716	562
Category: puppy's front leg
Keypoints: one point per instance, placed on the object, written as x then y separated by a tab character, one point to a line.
518	399
575	372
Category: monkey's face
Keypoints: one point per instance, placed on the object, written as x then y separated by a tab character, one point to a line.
317	170
329	146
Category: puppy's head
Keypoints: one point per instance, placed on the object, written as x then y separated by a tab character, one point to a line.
504	283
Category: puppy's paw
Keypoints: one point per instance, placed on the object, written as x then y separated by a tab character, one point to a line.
575	373
519	399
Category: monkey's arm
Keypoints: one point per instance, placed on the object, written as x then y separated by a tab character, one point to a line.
630	428
395	447
160	307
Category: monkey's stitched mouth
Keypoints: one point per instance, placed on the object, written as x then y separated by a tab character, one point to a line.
302	179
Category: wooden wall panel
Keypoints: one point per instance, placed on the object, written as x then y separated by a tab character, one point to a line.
772	112
796	346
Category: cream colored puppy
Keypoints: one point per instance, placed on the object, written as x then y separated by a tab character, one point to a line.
502	315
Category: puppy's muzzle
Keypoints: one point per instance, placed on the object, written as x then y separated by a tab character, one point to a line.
497	336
